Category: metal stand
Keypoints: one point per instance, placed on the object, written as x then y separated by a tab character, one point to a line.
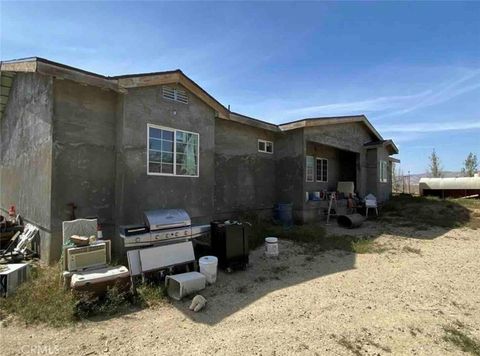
333	199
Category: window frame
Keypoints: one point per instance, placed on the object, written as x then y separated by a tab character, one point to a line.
383	172
316	169
306	169
174	174
266	143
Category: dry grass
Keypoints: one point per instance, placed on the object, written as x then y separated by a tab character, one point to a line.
422	213
462	340
44	300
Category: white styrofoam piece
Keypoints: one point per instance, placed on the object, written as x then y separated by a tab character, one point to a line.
134	264
98	275
159	257
180	285
81	227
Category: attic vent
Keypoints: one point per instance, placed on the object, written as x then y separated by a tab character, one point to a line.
175	94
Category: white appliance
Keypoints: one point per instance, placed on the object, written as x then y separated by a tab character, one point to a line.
11	276
87	257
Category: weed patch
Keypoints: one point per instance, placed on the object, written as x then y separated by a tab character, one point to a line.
44	300
463	341
421	213
414	250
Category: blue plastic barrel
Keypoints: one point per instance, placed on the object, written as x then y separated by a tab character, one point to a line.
284	213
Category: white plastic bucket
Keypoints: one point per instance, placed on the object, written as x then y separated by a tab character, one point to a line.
271	247
208	267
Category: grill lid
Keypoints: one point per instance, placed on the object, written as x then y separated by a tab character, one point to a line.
166	218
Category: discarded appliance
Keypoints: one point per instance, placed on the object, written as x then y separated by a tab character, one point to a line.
11	276
230	244
92	256
350	221
98	281
183	284
162	225
160	257
208	267
86	267
198	303
271	247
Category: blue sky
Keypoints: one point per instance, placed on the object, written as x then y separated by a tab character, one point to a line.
412	68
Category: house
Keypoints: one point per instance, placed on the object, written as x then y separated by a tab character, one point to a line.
117	146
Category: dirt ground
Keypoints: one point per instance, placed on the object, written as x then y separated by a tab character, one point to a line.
397	302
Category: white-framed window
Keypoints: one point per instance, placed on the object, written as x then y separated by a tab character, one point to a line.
309	168
322	170
172	152
175	94
265	146
383	173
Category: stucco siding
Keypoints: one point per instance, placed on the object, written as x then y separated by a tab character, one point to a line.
244	177
84	154
136	190
26	153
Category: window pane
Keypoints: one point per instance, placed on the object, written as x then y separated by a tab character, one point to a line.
154	156
181	136
154	167
310	164
261	146
155	144
269	147
155	133
167	168
167	146
167	157
167	135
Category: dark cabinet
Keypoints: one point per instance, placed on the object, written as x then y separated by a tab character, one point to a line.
230	244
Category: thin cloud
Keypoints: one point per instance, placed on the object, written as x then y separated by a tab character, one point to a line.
399	104
432	126
377	104
450	91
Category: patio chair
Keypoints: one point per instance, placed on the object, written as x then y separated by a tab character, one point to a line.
371	203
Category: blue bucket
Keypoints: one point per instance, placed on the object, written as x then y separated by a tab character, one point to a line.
283	213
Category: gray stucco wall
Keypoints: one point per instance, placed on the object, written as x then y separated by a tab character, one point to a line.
348	136
290	169
244	177
84	155
135	190
26	153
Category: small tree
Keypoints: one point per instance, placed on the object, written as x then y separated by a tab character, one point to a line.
435	167
470	166
397	178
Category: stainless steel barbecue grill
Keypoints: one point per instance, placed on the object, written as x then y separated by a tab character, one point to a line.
162	226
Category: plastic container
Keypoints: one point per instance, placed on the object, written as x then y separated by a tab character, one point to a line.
271	247
208	267
284	213
183	284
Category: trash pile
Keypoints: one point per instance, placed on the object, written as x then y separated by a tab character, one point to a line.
19	245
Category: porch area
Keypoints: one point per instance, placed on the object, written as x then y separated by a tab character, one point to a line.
325	167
